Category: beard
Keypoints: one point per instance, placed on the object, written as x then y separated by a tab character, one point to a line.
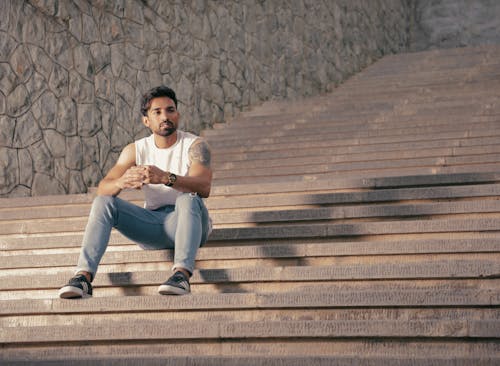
166	128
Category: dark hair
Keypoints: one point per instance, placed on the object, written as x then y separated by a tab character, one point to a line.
159	91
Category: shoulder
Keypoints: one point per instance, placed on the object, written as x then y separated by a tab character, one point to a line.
187	136
142	141
129	149
127	156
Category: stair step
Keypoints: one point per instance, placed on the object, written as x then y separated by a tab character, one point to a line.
374	120
356	229
416	269
466	145
364	196
341	162
316	230
309	186
256	353
213	257
203	302
327	168
391	134
334	140
272	200
220	204
54	225
162	330
382	119
341	155
315	179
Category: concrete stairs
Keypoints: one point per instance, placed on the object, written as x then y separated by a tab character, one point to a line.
355	228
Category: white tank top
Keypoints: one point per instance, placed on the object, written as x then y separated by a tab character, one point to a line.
174	159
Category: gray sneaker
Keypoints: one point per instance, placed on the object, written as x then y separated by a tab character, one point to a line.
178	284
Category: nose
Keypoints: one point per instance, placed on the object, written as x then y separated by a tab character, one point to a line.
164	115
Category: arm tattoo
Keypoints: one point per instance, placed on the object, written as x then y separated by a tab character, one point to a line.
200	152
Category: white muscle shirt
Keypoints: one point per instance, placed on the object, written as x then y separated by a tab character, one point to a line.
174	159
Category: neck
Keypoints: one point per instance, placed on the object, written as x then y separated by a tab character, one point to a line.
163	142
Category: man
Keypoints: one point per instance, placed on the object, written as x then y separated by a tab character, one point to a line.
172	167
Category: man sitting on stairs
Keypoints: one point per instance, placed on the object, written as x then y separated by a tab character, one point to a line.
172	167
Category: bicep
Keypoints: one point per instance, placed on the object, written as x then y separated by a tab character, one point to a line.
200	157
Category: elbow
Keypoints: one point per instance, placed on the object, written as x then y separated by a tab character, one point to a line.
100	191
205	192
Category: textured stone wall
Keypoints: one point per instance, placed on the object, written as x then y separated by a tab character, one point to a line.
455	23
72	71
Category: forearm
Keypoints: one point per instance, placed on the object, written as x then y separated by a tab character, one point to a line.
199	184
108	187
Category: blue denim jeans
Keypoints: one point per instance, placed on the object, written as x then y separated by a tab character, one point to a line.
183	227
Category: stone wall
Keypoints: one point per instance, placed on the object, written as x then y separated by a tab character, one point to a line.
455	23
72	71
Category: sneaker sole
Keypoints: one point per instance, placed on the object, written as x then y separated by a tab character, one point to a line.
70	292
171	290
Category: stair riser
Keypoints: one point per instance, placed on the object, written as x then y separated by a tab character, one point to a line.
360	313
160	330
411	350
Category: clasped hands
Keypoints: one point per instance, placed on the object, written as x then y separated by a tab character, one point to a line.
135	177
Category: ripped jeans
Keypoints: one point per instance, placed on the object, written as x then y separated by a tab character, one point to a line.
183	227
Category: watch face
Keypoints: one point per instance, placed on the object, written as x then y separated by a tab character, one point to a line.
172	178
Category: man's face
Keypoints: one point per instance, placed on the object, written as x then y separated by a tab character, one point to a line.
163	117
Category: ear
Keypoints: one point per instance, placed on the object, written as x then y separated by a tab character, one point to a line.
145	121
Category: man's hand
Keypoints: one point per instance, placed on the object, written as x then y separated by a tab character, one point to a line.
154	175
134	177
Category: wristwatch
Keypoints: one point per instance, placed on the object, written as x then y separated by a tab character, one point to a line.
171	180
